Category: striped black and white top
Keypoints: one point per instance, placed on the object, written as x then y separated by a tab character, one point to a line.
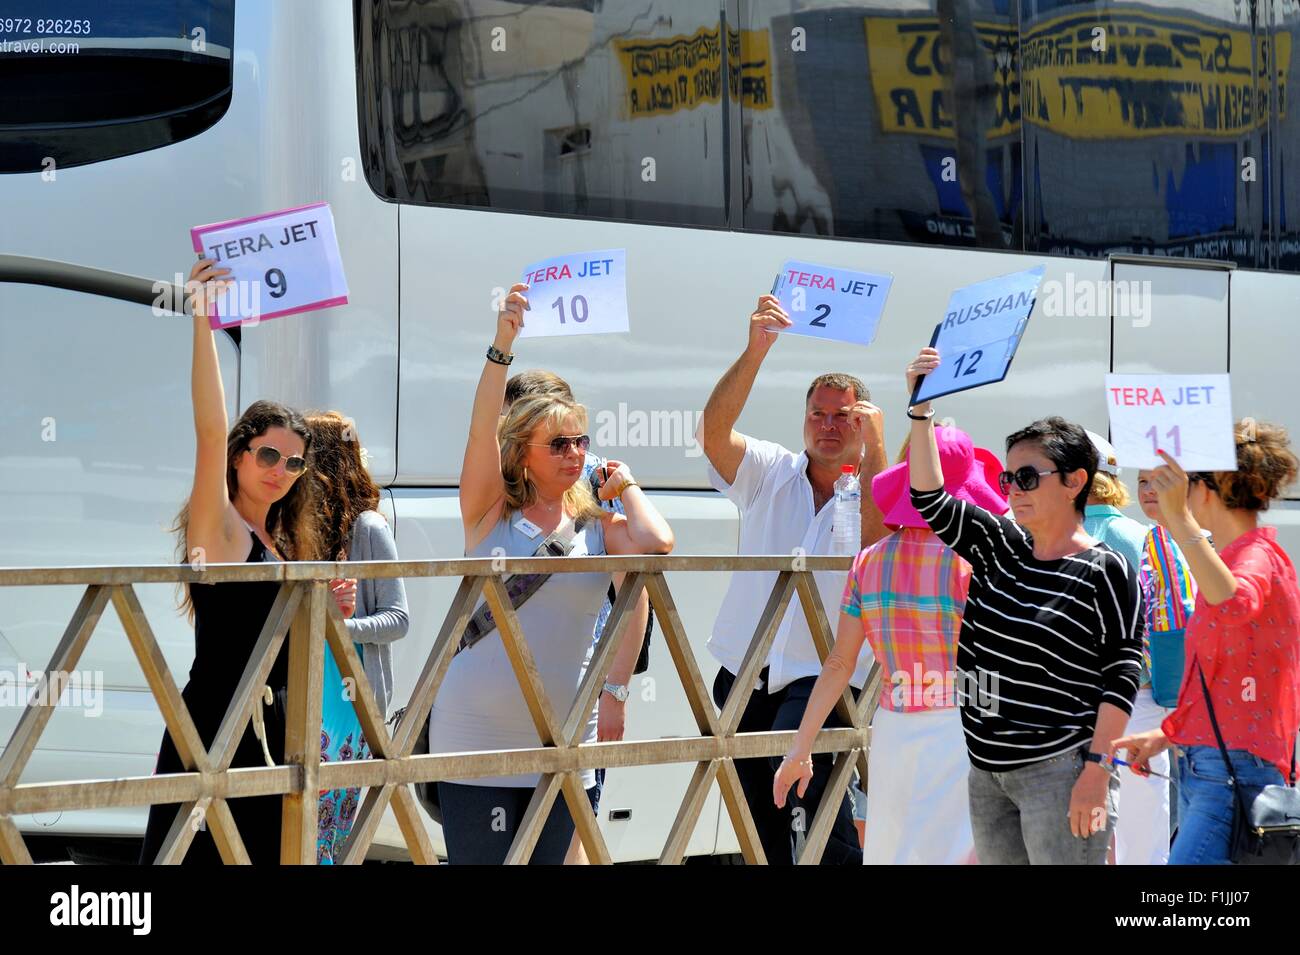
1043	642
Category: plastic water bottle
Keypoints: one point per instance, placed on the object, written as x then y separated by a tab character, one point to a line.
846	522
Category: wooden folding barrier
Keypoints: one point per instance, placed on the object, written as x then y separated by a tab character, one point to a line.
305	614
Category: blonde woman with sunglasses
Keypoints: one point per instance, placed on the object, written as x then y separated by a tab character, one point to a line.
521	486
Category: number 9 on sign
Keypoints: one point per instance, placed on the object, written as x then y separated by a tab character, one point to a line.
277	283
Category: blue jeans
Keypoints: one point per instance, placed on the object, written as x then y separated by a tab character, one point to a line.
1207	805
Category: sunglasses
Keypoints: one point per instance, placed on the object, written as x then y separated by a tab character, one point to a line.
560	444
1025	478
268	457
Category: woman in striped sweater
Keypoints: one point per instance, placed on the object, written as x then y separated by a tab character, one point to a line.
1050	646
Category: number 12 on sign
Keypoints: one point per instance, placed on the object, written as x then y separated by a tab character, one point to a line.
975	356
1153	434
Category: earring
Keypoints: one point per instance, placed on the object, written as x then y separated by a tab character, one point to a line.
525	474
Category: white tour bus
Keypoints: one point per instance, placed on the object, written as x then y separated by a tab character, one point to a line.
457	141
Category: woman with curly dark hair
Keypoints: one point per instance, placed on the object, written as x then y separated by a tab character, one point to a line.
248	504
375	609
1242	642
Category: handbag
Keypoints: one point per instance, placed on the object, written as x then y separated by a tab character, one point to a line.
1266	823
520	587
1166	648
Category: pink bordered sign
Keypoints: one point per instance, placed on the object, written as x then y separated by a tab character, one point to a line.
281	263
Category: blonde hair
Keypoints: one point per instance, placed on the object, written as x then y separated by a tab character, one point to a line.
1108	489
513	434
902	450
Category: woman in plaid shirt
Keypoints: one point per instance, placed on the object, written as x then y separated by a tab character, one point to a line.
905	596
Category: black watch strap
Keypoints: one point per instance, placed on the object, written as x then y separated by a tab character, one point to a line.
497	355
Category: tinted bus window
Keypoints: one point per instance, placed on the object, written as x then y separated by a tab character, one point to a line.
870	133
1146	128
86	80
611	110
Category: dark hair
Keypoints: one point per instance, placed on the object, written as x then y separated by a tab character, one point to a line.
291	521
840	382
1266	465
1067	446
344	488
534	382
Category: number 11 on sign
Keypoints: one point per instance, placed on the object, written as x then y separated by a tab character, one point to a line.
1153	434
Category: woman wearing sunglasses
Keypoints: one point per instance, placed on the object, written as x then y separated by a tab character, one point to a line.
248	504
375	610
521	487
1243	639
1050	646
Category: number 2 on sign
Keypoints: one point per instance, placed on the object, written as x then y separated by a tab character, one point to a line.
1153	434
576	304
975	357
823	310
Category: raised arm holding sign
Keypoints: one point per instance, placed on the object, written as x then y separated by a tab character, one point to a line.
580	294
979	334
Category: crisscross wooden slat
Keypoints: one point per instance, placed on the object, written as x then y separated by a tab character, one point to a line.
601	661
13	849
733	796
417	712
688	813
764	632
299	813
374	731
224	745
522	662
22	742
534	820
819	831
679	648
584	819
823	640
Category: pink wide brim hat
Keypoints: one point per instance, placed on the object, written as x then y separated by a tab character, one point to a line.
969	474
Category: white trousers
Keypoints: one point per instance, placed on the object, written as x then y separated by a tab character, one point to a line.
918	811
1142	835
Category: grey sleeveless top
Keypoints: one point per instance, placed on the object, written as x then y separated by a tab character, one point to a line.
480	705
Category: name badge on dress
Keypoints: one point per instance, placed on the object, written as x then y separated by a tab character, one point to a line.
527	527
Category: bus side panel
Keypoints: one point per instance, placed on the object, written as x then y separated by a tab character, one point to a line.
1262	360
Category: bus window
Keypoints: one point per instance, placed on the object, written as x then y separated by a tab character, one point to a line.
99	79
857	130
569	107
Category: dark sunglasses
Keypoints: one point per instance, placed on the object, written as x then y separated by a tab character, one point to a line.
560	444
1025	478
268	457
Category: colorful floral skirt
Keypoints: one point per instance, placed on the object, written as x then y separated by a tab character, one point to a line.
340	739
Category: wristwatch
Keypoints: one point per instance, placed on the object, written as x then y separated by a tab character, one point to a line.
1103	758
620	693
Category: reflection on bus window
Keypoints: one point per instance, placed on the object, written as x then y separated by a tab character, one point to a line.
88	80
1070	127
611	110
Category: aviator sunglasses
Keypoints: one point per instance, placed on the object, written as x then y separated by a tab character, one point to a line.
1025	478
561	443
268	457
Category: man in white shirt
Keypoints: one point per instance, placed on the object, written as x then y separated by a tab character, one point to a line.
782	498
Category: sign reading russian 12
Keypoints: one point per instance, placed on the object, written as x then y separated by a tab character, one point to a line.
1187	416
281	263
580	294
980	332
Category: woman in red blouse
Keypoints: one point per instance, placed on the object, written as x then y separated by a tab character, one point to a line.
1244	634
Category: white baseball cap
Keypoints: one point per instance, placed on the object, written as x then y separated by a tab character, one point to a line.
1106	459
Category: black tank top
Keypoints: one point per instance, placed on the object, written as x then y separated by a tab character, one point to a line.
228	619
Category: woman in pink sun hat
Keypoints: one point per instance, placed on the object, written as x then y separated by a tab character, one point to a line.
905	596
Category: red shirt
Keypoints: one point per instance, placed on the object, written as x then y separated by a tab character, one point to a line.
1249	648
